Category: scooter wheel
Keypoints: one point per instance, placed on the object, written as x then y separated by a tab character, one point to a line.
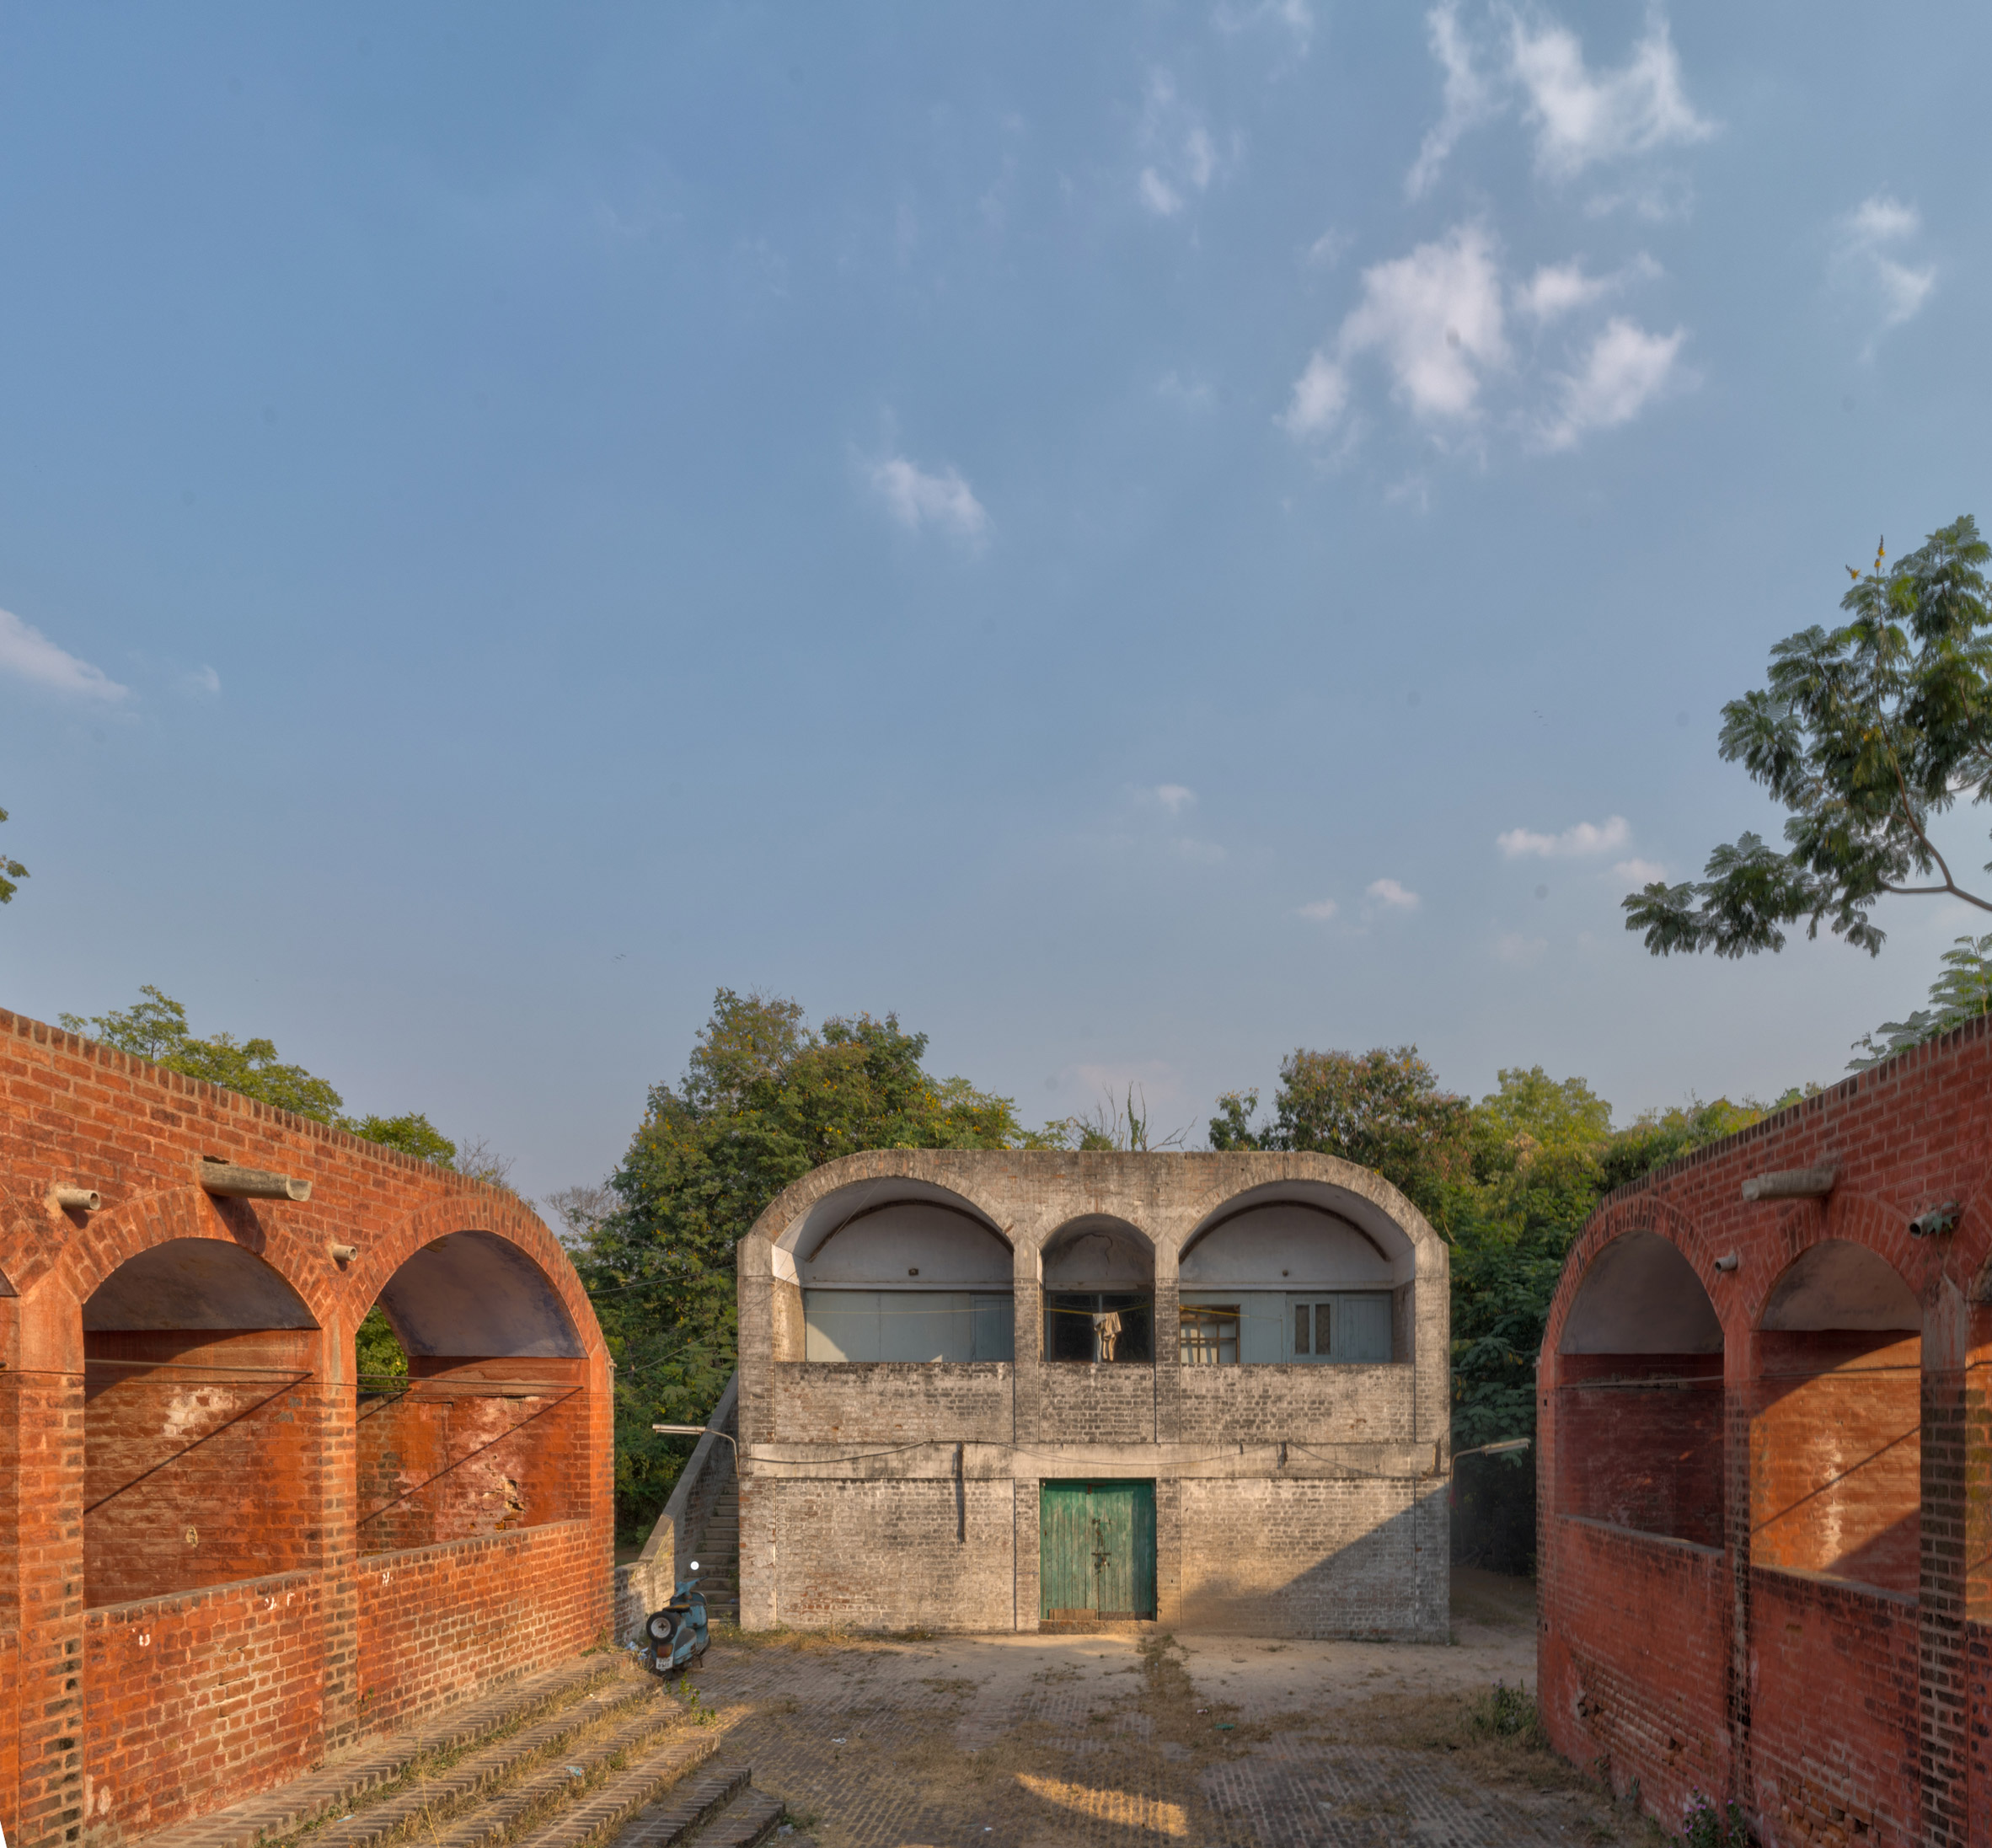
663	1627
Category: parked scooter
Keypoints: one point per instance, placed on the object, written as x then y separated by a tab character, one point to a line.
675	1637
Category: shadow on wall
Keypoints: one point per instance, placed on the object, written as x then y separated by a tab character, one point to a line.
1253	1563
1493	1512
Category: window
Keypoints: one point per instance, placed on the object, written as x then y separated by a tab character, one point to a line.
907	1324
1210	1336
1077	1326
1346	1327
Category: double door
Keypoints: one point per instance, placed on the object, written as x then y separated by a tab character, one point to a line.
1096	1551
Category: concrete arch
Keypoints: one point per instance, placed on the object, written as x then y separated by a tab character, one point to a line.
1639	1295
1359	1195
810	1212
194	1284
1097	1251
1640	1215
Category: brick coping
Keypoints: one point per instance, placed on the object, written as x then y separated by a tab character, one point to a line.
1836	1586
1640	1536
172	1602
370	1562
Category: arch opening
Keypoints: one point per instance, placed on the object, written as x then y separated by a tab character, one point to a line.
1290	1280
1099	1276
1836	1421
487	1430
1639	1413
202	1423
907	1280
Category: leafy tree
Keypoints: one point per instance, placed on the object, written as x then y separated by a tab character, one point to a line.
11	871
1865	733
1382	1108
378	1357
412	1133
1961	993
765	1098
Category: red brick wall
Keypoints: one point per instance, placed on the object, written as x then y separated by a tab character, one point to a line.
1642	1443
103	1469
188	1700
1846	1697
440	1619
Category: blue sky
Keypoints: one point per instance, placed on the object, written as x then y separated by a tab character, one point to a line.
1139	537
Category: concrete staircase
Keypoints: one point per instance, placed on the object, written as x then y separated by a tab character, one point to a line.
719	1553
592	1755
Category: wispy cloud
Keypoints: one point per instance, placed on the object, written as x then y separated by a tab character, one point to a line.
1519	949
204	680
29	655
1558	289
1435	318
1504	58
1866	260
1387	893
1295	17
916	497
1573	843
1624	370
1174	797
1639	872
1183	158
1321	911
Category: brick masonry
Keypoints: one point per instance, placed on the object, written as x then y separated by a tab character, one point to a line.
218	1560
1291	1498
1766	1574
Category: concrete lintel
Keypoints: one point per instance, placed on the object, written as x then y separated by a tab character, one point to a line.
1002	1462
1791	1184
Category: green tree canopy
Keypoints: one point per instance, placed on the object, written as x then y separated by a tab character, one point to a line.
11	871
1962	992
765	1098
1383	1108
1865	733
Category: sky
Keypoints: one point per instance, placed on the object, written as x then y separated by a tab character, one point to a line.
1137	536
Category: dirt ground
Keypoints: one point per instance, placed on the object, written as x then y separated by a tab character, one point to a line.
1139	1738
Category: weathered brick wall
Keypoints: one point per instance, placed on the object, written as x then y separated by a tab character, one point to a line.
927	1553
190	1700
101	1476
440	1621
1288	1498
890	1401
1852	1589
1643	1443
1315	1558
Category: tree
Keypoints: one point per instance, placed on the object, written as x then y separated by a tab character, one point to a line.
11	872
1864	734
1961	993
1382	1108
412	1133
764	1099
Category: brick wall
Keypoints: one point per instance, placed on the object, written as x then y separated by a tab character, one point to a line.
887	1400
266	1642
1841	1606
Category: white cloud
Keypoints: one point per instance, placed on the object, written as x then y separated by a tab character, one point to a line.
1321	911
916	498
1191	395
1865	257
1516	948
1158	196
1581	119
1329	248
1174	797
204	680
1388	891
1469	97
27	653
1557	289
1639	872
1625	368
1585	837
1320	395
1201	853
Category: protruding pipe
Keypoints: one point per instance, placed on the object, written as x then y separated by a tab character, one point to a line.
1730	1262
233	1183
343	1254
78	1199
1791	1184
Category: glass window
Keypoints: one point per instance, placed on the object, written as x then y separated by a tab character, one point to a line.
1349	1326
1210	1336
906	1325
1088	1325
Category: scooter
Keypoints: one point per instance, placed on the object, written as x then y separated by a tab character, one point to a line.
676	1636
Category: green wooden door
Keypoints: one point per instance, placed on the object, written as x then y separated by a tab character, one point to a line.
1097	1550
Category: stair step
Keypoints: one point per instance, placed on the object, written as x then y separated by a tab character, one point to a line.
603	1813
546	1806
358	1777
746	1822
672	1820
430	1802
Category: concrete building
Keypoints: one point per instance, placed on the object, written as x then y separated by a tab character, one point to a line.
224	1558
1764	1472
1003	1390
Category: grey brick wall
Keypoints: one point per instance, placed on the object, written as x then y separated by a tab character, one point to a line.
1291	1499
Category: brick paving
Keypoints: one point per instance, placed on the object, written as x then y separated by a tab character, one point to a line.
1125	1742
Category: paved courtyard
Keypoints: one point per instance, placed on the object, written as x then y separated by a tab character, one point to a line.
1134	1739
